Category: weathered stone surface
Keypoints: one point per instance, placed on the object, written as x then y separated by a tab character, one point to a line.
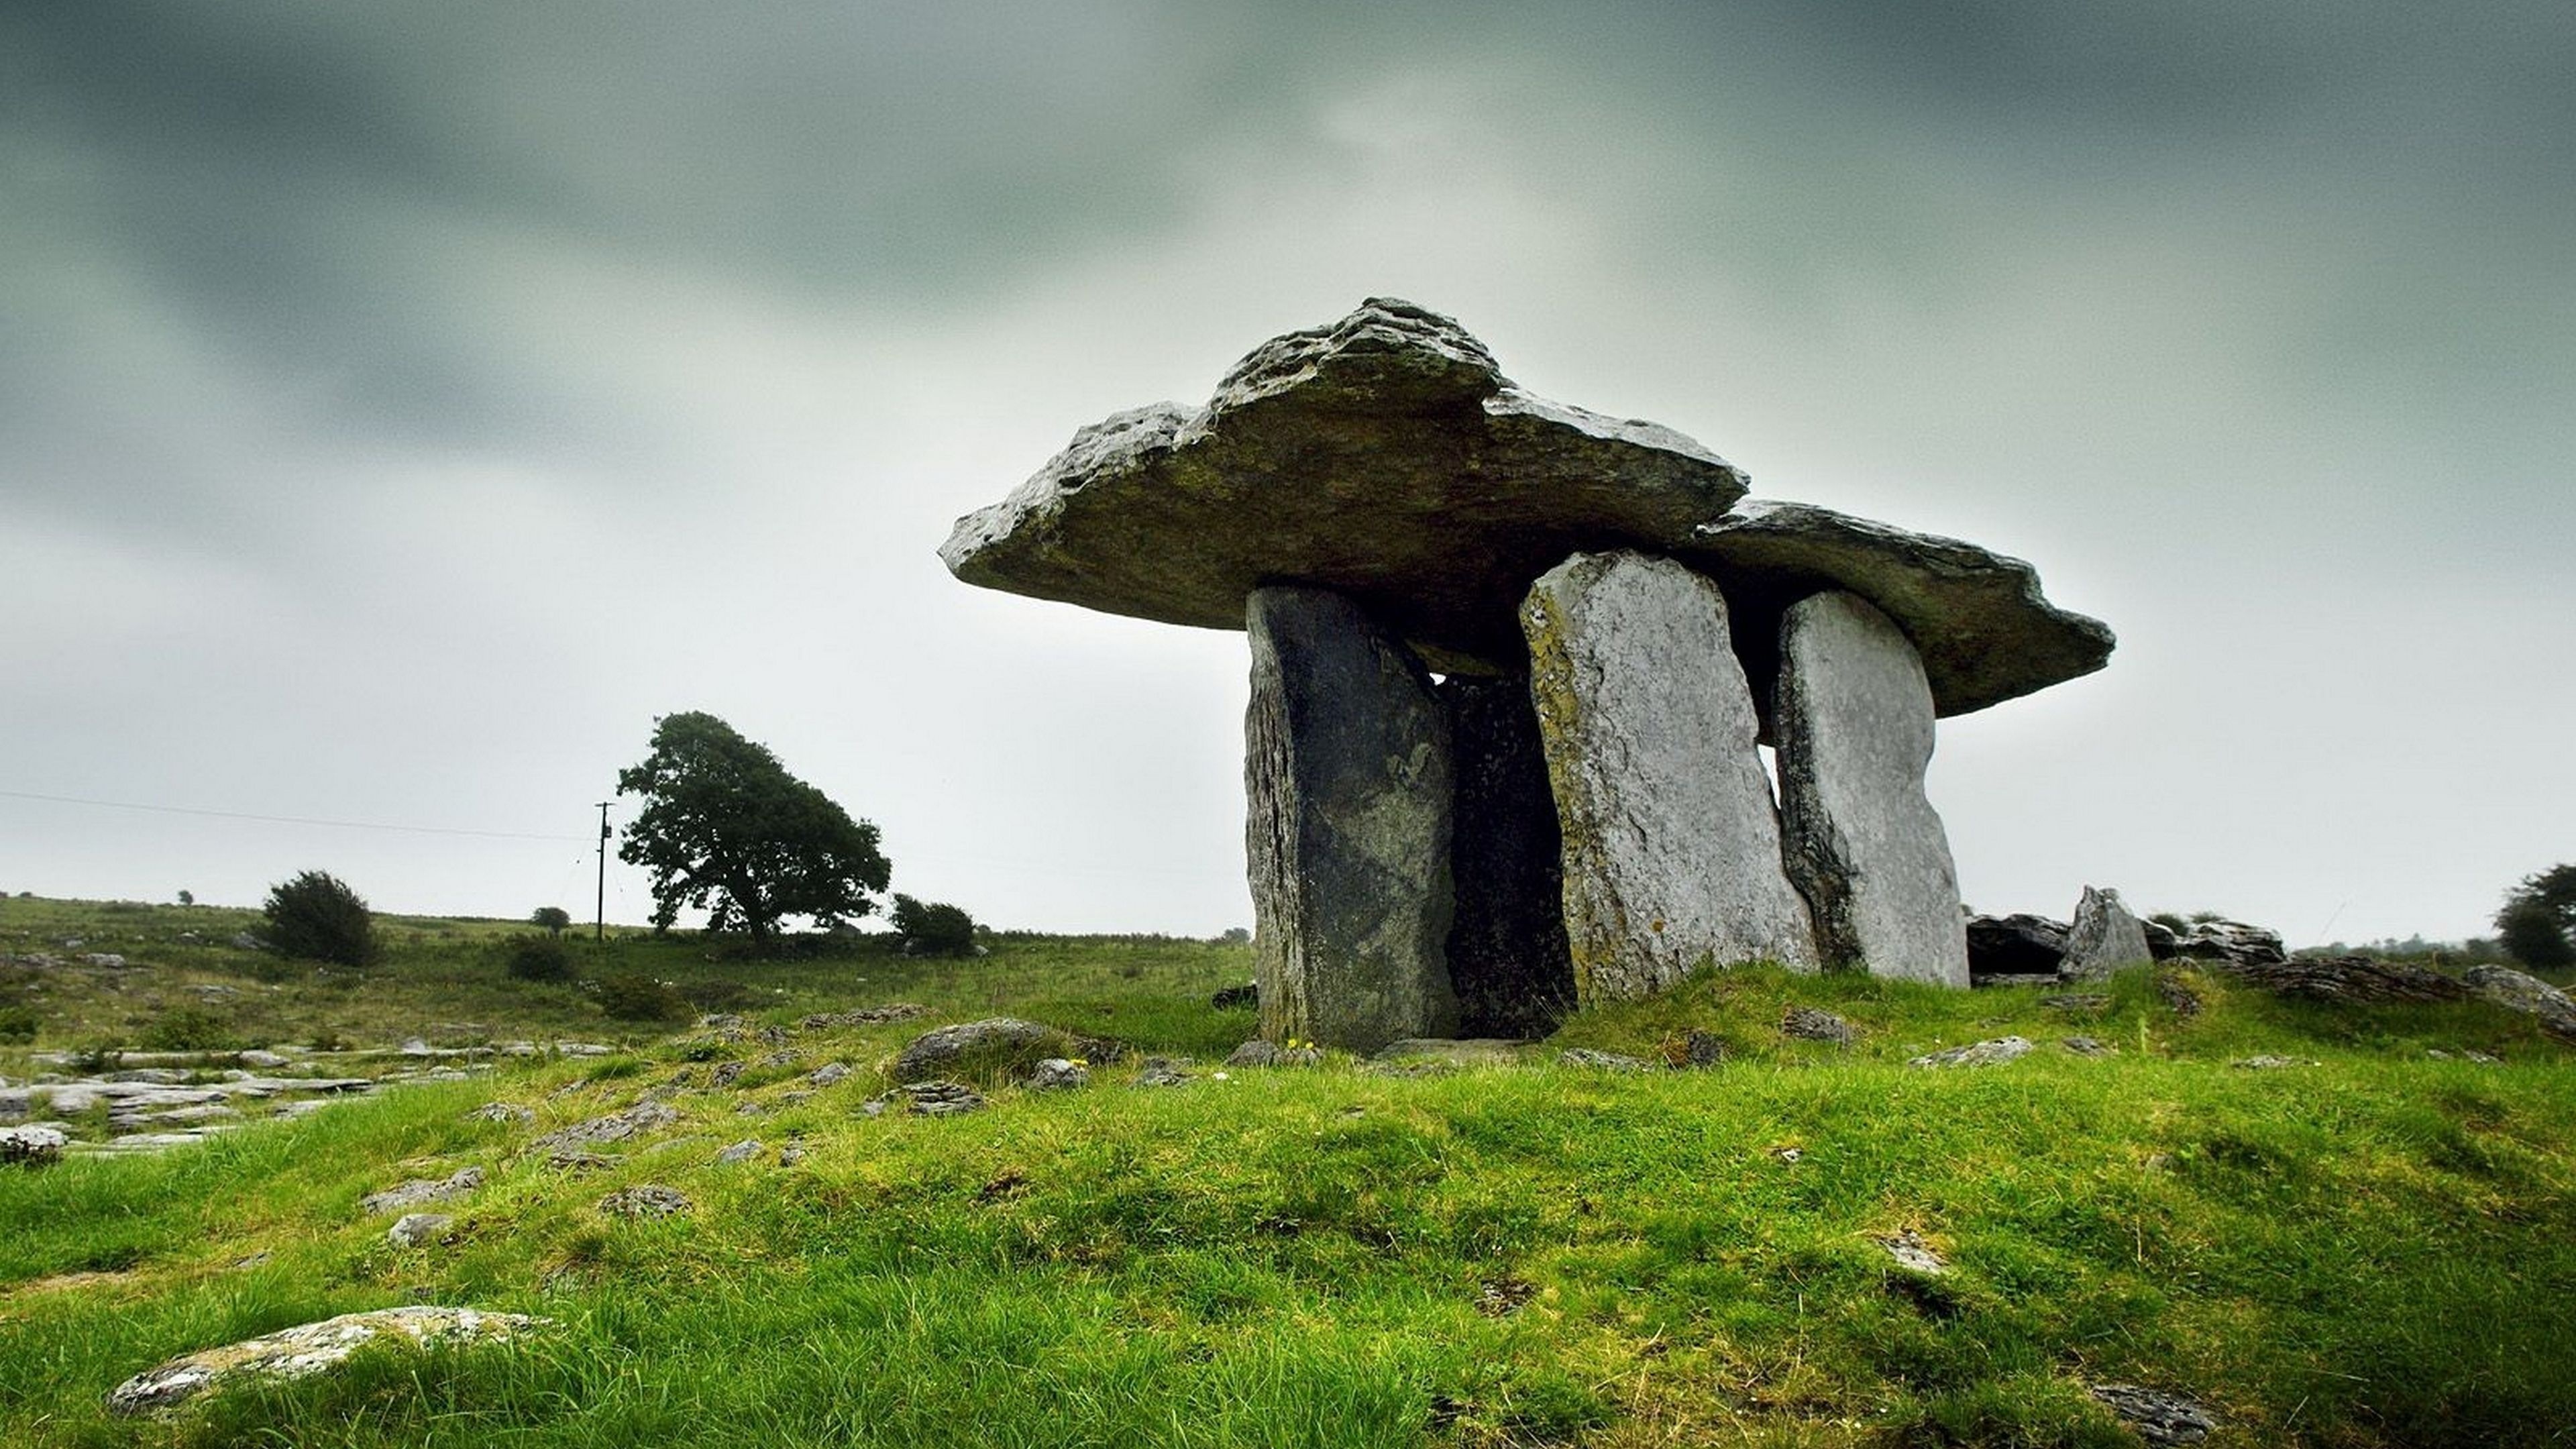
2017	945
741	1152
2102	938
1977	1054
1601	1061
1347	832
507	1113
1384	456
31	1146
645	1200
1004	1045
1812	1023
1911	1252
2516	991
422	1190
1671	844
941	1099
1162	1072
1508	959
2160	1418
1860	839
412	1230
615	1127
2233	942
2349	979
1984	631
1058	1074
308	1349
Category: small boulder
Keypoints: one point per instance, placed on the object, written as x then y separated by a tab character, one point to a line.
645	1200
615	1127
740	1152
422	1190
1058	1074
307	1349
1161	1072
508	1113
413	1230
940	1099
2516	991
999	1045
31	1146
2159	1418
1237	998
1701	1049
1809	1023
1977	1054
828	1073
2086	1046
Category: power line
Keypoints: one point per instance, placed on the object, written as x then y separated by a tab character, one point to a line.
286	819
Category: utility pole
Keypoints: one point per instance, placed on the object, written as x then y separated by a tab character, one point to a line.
599	918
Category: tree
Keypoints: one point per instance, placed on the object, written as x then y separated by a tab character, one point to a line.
315	917
187	898
726	829
933	928
550	919
2537	926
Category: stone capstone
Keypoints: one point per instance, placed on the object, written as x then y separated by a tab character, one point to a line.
1508	959
1670	842
1347	776
1859	837
1384	456
2102	938
308	1349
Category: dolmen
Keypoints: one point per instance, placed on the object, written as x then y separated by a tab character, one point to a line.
1513	664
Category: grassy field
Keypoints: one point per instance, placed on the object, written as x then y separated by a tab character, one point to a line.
2370	1246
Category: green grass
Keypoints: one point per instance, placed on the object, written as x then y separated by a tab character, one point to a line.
2371	1248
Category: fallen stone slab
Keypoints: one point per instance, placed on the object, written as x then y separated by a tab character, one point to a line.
1977	1054
1384	456
2233	942
309	1349
2349	979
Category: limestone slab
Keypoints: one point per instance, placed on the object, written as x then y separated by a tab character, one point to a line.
1860	838
1670	839
2102	938
1347	830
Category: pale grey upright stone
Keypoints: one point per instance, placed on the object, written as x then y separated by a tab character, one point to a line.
1671	841
1860	838
1347	778
2103	937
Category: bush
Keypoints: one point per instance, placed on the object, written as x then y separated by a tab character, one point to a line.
188	1029
17	1025
315	917
640	998
550	919
539	958
932	928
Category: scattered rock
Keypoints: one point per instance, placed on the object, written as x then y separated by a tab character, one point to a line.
2233	942
1348	790
308	1349
578	1159
615	1127
1499	1297
2086	1046
508	1113
31	1146
742	1151
1462	1052
941	1099
1161	1072
421	1190
1853	716
2015	945
1260	1053
266	1061
1237	998
2102	938
1811	1023
1670	839
828	1073
790	1156
245	941
2265	1062
1909	1250
2516	991
863	1016
645	1200
1004	1044
1058	1074
1978	1054
1700	1049
1600	1060
725	1074
2348	978
412	1230
2179	996
108	959
2077	1003
2159	1418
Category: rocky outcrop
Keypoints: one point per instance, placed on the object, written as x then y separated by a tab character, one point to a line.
1347	774
1508	959
422	1191
1859	837
2102	938
1384	456
1671	844
634	1121
2515	991
308	1349
997	1046
2232	942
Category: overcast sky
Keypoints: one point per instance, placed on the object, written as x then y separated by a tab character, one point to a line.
403	405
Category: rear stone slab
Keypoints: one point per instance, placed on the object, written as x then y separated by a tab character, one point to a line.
1671	844
1861	839
1347	831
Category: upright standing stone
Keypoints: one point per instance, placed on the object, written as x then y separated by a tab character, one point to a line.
1863	842
1671	841
2102	938
1507	952
1347	773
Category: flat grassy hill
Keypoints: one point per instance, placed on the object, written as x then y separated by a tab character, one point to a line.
2358	1243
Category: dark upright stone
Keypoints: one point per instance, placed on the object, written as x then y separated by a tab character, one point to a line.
1507	952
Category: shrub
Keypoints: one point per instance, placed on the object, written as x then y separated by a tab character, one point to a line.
550	919
933	928
539	958
17	1024
315	917
188	1029
640	998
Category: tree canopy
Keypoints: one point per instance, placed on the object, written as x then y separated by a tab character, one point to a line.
726	829
2537	926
